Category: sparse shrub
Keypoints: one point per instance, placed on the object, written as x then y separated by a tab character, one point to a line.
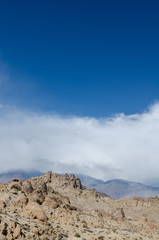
77	235
101	238
85	225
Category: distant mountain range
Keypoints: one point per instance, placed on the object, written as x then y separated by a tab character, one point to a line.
8	176
119	188
115	188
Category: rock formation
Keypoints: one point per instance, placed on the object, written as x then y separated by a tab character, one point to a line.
59	207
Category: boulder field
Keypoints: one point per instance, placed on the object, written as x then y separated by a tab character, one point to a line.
53	207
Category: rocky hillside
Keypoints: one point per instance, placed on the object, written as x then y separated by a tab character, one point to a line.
116	188
59	207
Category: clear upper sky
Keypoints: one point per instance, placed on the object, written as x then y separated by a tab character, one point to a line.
88	58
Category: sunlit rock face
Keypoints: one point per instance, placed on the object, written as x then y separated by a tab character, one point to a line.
55	206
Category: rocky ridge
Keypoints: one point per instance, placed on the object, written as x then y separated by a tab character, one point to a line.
59	207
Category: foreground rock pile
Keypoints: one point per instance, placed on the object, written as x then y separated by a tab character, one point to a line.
59	207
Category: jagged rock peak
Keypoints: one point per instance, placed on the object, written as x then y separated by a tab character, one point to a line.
53	206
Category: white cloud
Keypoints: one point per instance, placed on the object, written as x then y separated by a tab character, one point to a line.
118	147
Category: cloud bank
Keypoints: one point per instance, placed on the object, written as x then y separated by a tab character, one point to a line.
124	146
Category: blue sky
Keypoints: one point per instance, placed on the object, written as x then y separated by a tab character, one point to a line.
79	87
84	58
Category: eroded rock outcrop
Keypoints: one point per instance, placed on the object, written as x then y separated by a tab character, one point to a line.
59	207
35	211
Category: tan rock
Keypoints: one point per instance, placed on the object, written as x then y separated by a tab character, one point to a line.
69	207
13	225
2	237
16	180
27	187
36	196
118	214
66	208
35	211
4	228
15	187
2	204
17	231
39	184
52	202
21	202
